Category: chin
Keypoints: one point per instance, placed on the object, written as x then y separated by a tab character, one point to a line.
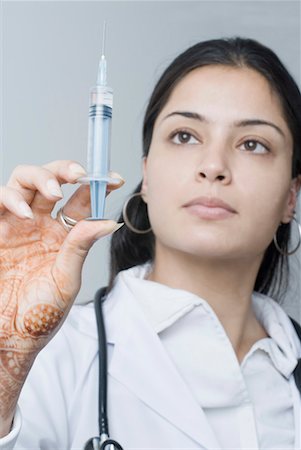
210	249
199	242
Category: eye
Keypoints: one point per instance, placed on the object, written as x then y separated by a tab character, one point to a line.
255	146
183	137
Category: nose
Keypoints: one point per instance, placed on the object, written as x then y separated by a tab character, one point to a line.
214	166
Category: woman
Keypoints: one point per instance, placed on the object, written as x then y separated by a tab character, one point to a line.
200	355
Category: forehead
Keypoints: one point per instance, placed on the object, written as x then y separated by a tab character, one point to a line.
220	90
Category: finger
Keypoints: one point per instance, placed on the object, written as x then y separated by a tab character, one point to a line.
64	172
81	195
79	205
72	254
44	182
119	182
11	200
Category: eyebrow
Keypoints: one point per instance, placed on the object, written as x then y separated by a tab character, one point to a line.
240	123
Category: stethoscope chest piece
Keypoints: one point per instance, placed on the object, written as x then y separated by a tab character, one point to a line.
108	444
93	444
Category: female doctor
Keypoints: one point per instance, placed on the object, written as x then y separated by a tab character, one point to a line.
200	352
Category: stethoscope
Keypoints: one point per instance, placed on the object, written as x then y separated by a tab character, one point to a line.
103	441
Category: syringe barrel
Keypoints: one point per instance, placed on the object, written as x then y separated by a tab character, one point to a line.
99	131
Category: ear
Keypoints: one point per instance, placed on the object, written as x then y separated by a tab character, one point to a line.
292	200
144	186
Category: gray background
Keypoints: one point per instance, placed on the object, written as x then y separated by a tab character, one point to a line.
50	53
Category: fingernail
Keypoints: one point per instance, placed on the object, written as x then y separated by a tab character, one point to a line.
118	225
116	175
54	189
77	170
25	210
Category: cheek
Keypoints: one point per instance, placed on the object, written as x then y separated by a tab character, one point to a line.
165	183
161	193
264	200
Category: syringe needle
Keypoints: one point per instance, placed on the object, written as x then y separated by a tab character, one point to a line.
102	69
104	37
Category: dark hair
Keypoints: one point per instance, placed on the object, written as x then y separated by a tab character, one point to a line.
128	248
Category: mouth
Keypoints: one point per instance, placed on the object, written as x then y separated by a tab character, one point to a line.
210	208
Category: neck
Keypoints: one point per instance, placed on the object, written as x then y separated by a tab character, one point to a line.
226	285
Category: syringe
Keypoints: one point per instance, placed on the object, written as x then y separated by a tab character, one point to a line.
99	136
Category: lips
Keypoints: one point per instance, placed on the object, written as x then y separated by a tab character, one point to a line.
210	208
211	202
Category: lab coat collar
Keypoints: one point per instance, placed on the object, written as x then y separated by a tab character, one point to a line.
141	363
283	346
284	349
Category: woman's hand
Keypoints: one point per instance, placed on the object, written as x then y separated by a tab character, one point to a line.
40	265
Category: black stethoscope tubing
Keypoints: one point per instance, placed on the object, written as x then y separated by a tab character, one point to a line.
103	442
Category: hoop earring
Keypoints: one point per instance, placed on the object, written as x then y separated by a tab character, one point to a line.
282	252
126	219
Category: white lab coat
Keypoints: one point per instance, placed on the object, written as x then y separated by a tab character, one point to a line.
150	406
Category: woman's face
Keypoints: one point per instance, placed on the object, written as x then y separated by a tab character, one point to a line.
217	179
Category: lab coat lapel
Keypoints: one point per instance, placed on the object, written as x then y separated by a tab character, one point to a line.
140	363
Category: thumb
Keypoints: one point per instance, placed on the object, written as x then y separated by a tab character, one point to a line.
69	262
